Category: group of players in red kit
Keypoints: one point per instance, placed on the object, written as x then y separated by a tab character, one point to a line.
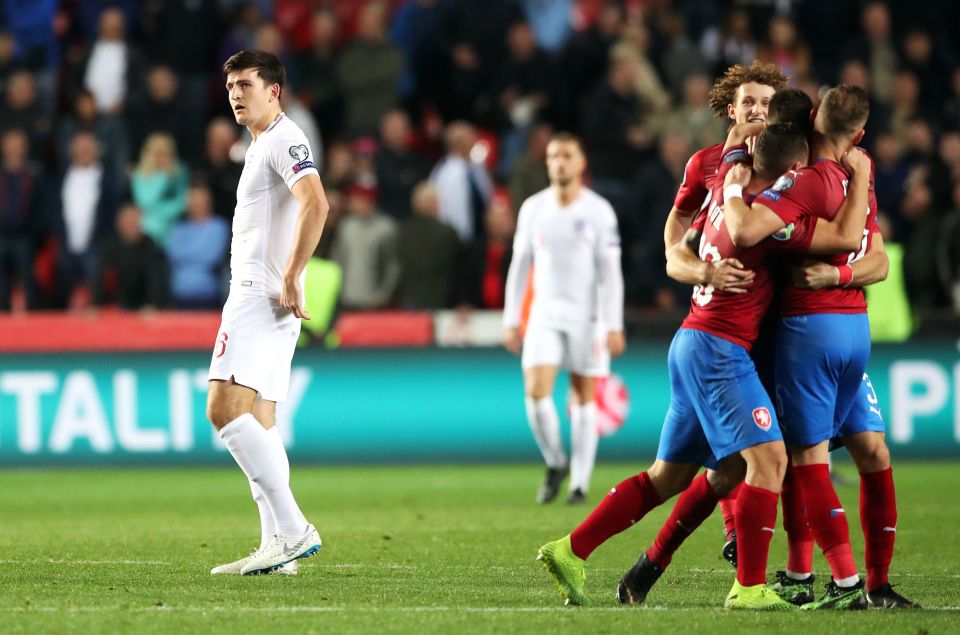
776	229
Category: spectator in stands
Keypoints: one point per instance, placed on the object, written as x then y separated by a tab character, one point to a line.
948	251
890	179
463	186
904	105
428	250
529	174
320	81
161	110
786	49
615	121
21	111
370	68
486	264
920	248
398	167
340	172
414	30
950	112
111	68
550	22
635	48
110	134
682	58
8	63
218	169
21	221
244	21
876	49
86	208
922	59
732	43
854	73
159	186
692	117
527	84
196	253
588	54
131	266
365	247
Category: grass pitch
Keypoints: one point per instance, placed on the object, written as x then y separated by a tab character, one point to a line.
406	549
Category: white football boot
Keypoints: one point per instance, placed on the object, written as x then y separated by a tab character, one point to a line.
234	568
281	550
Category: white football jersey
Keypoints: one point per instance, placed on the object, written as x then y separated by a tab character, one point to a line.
265	218
575	253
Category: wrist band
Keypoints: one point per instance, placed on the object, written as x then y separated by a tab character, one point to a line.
732	191
846	275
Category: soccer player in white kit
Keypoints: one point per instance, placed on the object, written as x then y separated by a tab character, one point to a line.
568	233
281	209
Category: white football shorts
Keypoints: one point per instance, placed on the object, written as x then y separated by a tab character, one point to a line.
582	351
255	345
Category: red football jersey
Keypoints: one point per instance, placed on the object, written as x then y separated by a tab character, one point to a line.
732	316
819	191
698	179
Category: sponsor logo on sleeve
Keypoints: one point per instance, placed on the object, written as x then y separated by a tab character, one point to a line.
773	196
301	153
734	155
785	233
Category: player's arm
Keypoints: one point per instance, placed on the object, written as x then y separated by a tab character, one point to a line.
516	283
313	214
740	132
870	269
688	201
845	231
683	265
611	284
746	225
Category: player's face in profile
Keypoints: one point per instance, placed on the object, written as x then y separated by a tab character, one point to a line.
751	103
249	96
565	162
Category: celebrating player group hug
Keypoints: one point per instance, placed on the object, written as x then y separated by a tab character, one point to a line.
776	231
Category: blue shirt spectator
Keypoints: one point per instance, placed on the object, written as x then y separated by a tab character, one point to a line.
196	252
159	186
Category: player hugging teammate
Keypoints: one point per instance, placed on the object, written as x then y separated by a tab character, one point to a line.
811	195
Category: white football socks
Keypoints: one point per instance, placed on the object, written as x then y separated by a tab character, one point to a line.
261	456
268	525
583	444
545	425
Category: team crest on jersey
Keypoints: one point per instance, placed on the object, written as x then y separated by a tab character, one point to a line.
785	233
579	225
301	153
761	417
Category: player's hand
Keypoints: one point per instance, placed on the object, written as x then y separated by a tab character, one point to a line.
815	275
616	343
743	131
730	275
855	160
738	175
512	340
291	297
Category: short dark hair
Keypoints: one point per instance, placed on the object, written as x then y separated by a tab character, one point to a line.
779	146
791	105
568	137
267	65
844	111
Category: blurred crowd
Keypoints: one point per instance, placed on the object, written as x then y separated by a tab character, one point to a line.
119	157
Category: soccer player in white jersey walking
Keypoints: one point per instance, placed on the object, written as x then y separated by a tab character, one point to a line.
281	209
568	233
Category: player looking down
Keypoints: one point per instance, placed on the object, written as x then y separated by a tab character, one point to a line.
568	233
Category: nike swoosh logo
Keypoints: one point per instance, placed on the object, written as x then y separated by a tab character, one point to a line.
767	529
889	528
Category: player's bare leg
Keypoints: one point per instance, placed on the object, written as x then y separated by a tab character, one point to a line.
878	515
259	452
828	521
583	436
695	504
545	424
625	504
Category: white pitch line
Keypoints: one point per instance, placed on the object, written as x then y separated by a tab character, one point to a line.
722	571
385	609
94	562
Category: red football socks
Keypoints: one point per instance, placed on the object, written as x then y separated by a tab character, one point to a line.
799	534
728	505
695	504
878	516
827	518
756	517
624	505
